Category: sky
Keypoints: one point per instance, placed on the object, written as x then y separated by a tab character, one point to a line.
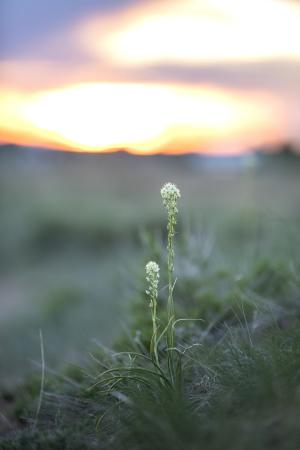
150	76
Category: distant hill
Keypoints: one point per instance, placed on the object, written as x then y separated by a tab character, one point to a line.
286	154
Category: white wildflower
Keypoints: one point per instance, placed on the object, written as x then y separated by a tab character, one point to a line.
152	267
170	194
152	276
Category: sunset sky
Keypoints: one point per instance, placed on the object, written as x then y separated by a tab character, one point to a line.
218	76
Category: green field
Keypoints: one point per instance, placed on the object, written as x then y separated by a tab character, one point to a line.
76	233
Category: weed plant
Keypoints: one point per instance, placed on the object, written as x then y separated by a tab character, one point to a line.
145	368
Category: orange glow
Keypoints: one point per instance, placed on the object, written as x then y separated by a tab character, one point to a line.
99	103
142	118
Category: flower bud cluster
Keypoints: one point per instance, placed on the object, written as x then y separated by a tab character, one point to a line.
170	194
152	276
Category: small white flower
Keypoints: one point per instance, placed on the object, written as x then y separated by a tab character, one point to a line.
152	276
170	194
152	268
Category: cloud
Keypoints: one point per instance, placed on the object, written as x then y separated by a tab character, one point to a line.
280	75
175	41
194	32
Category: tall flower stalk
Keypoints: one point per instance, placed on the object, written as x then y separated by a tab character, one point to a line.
170	194
155	376
152	277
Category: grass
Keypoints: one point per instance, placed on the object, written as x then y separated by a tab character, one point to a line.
237	370
237	393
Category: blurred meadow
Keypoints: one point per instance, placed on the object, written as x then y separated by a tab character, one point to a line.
76	231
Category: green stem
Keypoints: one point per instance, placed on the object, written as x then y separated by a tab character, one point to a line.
153	344
170	305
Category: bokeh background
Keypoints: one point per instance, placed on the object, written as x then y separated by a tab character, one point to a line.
101	102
